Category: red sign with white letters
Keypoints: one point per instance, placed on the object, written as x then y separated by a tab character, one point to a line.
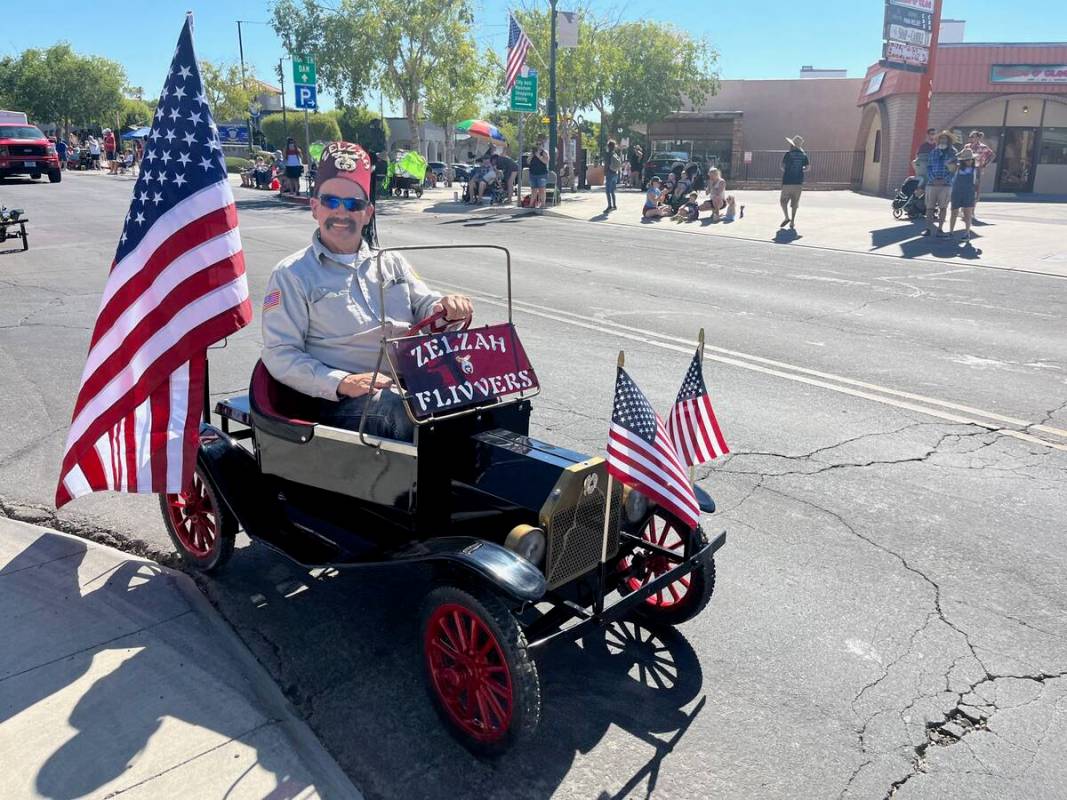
446	372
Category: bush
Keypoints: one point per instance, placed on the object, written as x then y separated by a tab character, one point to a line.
363	127
322	127
234	164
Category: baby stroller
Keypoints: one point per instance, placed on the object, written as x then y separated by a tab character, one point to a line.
908	202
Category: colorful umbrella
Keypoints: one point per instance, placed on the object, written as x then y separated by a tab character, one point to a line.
479	127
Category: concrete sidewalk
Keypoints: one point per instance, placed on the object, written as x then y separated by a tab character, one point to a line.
1030	237
118	678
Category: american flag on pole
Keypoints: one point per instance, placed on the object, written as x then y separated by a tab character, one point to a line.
176	286
642	455
691	423
518	45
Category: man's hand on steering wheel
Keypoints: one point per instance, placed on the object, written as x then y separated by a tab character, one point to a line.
455	306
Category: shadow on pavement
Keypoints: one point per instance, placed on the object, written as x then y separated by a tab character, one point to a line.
939	248
882	237
346	650
133	627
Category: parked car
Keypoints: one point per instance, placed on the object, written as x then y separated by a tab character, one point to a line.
24	150
461	172
661	164
438	169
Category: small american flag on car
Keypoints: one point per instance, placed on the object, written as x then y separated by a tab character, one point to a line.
642	455
177	285
691	423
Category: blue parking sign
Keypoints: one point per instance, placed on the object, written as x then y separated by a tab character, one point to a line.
306	96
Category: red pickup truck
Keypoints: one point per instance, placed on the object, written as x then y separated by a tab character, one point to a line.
24	150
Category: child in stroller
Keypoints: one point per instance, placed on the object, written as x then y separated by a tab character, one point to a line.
910	200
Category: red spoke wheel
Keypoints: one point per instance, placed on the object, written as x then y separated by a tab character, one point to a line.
676	602
202	530
482	681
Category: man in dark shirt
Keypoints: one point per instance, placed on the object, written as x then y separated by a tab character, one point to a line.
794	165
509	172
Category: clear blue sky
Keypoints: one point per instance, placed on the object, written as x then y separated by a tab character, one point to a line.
770	39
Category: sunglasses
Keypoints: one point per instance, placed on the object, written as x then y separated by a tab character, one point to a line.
332	201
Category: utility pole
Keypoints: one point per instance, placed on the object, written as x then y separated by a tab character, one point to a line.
553	118
241	48
926	90
281	76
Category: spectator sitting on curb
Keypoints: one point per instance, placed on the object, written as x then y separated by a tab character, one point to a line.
689	211
654	206
717	197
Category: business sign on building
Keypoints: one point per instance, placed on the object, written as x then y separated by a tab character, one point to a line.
908	32
918	5
1028	73
906	56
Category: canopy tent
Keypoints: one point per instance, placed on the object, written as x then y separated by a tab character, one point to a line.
138	133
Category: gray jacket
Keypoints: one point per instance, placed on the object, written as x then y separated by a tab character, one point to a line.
321	316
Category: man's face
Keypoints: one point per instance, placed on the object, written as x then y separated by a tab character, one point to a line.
930	134
339	228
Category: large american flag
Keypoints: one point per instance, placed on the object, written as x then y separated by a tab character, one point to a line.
518	45
691	423
642	455
176	286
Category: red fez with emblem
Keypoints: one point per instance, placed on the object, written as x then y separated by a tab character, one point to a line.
345	160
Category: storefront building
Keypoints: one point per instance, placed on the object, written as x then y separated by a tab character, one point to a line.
1015	93
742	129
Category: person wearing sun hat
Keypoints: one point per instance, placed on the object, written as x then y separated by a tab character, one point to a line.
794	165
939	165
964	191
321	311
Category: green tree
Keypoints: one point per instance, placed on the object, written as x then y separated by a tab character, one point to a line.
61	86
394	44
227	94
455	89
322	127
362	126
135	113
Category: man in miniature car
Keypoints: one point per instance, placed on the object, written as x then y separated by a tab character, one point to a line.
321	313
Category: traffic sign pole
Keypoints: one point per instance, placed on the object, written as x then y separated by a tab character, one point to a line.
922	110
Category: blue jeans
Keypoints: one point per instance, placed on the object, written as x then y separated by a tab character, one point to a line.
384	410
611	180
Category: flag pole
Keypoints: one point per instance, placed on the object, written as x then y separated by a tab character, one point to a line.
700	359
607	524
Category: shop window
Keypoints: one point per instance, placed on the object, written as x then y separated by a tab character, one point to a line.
877	147
1053	146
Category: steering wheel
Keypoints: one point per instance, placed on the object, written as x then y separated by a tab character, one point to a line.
425	324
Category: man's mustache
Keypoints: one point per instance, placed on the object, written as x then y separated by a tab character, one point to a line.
333	222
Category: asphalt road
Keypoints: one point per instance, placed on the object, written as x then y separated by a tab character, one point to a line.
890	613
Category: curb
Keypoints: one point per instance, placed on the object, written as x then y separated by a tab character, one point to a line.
330	781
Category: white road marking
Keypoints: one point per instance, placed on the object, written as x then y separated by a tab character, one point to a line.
968	415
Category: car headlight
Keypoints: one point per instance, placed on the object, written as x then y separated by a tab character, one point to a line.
634	505
528	542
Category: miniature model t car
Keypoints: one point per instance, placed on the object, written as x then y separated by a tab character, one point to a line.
528	548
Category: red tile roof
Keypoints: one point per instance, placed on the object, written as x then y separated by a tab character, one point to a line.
965	68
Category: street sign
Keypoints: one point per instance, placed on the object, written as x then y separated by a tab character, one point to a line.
304	72
306	97
748	156
524	93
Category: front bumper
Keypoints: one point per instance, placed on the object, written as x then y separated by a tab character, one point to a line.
28	165
618	610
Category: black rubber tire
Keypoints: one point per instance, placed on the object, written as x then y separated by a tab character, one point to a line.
898	213
526	684
701	588
55	176
226	530
25	239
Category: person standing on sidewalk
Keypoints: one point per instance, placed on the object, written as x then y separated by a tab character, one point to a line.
983	157
923	154
964	191
538	174
794	165
637	160
939	165
612	168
